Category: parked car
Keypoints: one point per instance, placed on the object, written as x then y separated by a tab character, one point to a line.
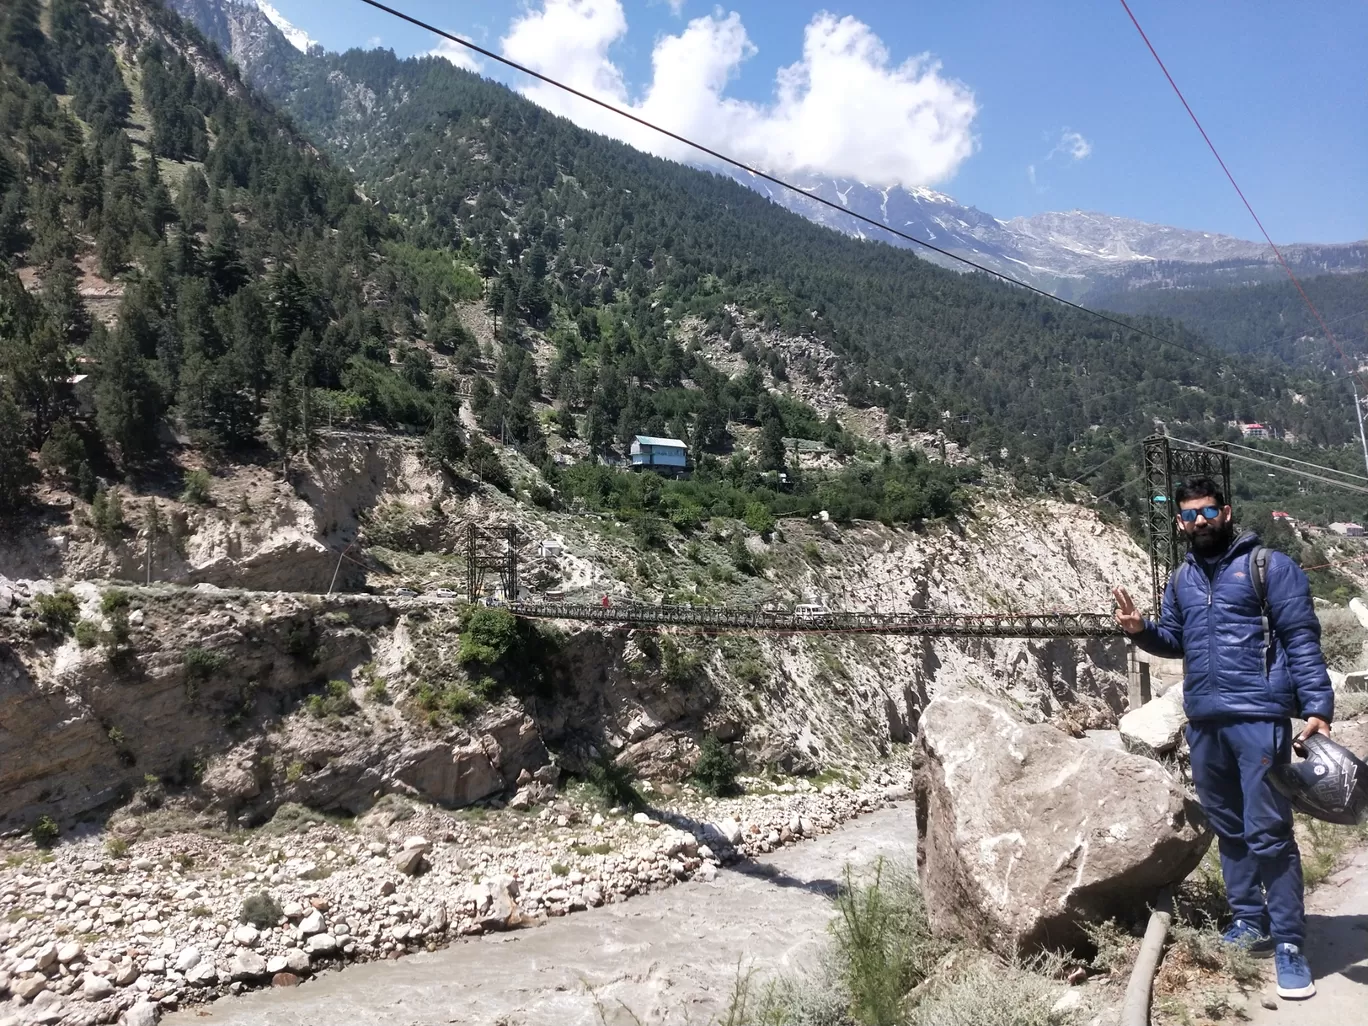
446	593
405	593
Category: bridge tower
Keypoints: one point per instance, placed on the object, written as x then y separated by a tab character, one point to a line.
1165	466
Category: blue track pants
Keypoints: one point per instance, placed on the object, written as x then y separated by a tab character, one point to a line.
1252	822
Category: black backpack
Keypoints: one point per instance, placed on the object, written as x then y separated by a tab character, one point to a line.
1258	577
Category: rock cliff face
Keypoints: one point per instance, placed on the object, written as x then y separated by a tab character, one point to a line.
231	687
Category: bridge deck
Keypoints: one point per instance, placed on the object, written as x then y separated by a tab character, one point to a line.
923	624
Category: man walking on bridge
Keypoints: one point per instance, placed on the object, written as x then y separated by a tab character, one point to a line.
1241	618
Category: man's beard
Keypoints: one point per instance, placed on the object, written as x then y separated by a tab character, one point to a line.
1211	540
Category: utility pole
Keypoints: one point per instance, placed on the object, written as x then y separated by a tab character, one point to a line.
151	536
1358	408
340	556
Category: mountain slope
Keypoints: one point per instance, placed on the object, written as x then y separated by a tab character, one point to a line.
1270	319
1069	253
460	159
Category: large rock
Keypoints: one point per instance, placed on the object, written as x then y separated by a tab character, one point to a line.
1356	681
1026	833
1359	610
1155	729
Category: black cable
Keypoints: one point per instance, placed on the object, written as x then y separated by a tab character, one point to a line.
777	181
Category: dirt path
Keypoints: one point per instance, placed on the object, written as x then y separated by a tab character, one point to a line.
1337	947
671	956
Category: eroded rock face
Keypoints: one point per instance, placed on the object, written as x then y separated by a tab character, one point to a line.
1026	833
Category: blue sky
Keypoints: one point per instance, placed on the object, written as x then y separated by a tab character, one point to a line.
1034	106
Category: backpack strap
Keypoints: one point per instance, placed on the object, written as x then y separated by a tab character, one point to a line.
1258	577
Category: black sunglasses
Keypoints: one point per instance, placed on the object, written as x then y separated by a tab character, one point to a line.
1208	512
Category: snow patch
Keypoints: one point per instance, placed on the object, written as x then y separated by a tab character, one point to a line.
297	37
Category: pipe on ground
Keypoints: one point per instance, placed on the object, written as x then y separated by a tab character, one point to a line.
1135	1008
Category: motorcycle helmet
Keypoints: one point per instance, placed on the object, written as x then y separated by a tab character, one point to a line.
1331	783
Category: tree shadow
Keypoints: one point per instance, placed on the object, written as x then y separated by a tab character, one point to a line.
1338	945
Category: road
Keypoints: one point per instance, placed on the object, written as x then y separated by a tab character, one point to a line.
1337	948
666	957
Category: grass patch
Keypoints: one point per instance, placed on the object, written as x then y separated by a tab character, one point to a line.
601	848
988	992
558	869
116	847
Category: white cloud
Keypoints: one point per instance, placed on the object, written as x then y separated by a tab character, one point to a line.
1071	144
457	54
297	37
676	7
1030	173
373	42
842	109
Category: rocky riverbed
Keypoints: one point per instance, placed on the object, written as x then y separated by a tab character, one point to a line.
101	930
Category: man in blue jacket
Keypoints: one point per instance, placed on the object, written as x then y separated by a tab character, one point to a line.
1247	670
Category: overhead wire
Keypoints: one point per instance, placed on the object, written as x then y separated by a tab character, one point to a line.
1353	369
796	190
766	176
1272	466
1291	459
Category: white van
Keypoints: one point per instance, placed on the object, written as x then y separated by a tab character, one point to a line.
809	611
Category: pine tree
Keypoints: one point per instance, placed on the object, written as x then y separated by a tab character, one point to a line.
17	473
127	403
445	444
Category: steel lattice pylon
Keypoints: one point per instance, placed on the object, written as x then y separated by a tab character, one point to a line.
486	551
1165	466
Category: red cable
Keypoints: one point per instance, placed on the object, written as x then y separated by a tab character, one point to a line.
1210	145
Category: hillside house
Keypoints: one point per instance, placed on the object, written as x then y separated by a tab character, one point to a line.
1349	530
1255	431
667	455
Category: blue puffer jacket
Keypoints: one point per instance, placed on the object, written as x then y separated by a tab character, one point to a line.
1211	618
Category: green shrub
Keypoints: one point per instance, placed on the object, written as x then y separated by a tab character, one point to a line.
759	518
114	600
487	635
45	832
560	870
716	769
294	772
292	818
57	611
201	663
260	910
376	690
87	633
116	847
679	666
197	484
335	701
614	784
883	943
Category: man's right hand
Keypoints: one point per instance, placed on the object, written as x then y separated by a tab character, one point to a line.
1126	614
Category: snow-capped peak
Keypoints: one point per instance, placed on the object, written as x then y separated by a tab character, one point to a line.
930	195
297	37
